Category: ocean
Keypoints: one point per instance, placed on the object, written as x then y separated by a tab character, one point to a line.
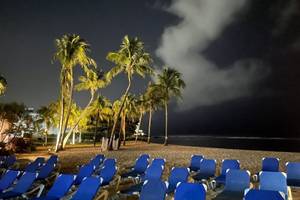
252	143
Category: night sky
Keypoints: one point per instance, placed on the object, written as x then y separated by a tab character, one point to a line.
239	58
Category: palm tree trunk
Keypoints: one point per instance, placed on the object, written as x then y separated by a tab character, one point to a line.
118	115
149	125
73	138
69	108
65	140
95	132
80	139
166	124
140	123
124	129
62	110
46	139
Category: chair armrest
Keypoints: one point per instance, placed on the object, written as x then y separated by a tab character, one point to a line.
39	188
290	196
103	195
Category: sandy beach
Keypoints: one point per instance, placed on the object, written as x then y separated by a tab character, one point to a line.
175	155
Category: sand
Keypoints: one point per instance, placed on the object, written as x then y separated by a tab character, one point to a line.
175	155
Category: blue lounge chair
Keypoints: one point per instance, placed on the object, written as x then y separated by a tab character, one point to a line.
255	194
153	172
97	160
35	165
153	190
139	168
207	170
52	160
8	179
293	174
195	162
226	164
60	188
46	170
88	189
159	161
22	186
8	162
270	164
274	181
108	162
190	191
84	171
236	183
107	174
177	175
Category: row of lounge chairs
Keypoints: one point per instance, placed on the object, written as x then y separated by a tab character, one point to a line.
93	177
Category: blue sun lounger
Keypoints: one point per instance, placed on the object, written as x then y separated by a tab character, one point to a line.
8	162
190	191
46	170
35	165
177	175
97	160
293	174
87	189
159	162
139	168
255	194
107	173
195	163
84	171
153	190
269	164
236	183
53	159
23	185
8	179
207	170
226	164
60	188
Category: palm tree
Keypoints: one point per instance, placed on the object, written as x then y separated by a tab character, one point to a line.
71	51
169	84
3	85
131	58
92	82
46	114
152	103
100	110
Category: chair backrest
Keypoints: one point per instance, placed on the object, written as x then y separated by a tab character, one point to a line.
97	160
109	162
88	189
177	175
46	170
153	190
10	161
153	172
84	171
159	162
61	186
208	166
270	164
141	163
195	162
293	171
8	178
107	173
275	181
237	180
255	194
229	164
25	182
53	159
33	166
190	191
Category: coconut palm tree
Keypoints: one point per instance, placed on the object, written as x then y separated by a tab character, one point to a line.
71	50
131	58
169	84
3	85
152	102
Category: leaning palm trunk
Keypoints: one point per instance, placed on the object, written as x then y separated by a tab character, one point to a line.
69	108
118	115
62	110
95	132
149	125
166	124
65	140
